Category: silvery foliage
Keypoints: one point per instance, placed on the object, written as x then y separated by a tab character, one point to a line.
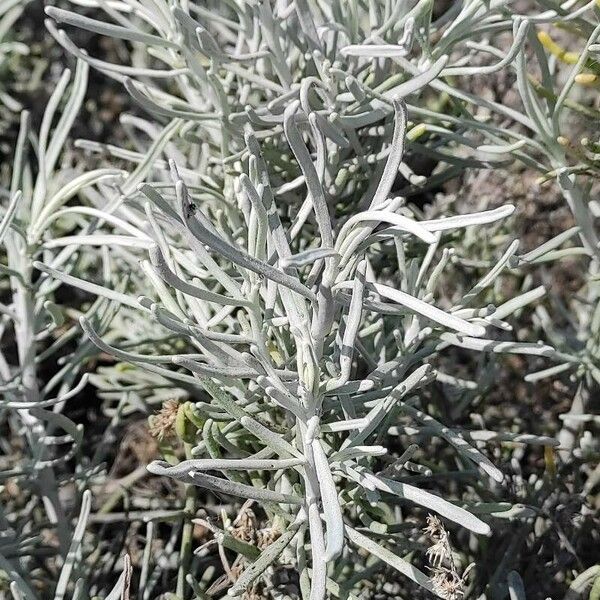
34	330
263	226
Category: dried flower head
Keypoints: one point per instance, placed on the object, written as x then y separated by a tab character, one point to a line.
245	525
447	582
435	529
245	528
440	551
162	424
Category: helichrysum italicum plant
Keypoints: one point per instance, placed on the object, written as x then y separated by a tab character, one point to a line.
35	332
309	348
304	286
279	295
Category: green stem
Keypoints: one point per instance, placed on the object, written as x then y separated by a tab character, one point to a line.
185	552
569	103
